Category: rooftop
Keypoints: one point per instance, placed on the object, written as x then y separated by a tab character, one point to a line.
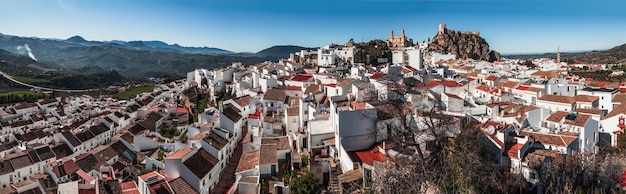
201	163
558	98
248	161
268	154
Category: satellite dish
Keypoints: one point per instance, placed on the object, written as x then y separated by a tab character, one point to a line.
491	129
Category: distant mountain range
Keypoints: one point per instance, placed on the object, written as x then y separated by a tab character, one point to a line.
614	55
153	45
133	58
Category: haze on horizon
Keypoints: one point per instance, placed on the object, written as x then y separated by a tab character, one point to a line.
509	26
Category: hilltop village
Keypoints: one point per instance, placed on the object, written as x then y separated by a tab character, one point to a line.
340	113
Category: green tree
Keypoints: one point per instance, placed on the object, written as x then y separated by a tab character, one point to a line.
304	184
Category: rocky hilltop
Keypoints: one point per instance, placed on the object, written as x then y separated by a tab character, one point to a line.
463	44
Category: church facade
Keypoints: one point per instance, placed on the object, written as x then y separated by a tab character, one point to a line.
398	41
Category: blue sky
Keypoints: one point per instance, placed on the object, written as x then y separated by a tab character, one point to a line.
509	26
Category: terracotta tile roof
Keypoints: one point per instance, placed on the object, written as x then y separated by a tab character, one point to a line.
510	84
160	187
597	84
432	84
589	111
201	163
151	174
232	114
546	74
557	116
248	161
621	97
282	143
275	94
585	98
378	75
558	98
621	109
551	139
513	150
268	154
535	89
66	168
243	101
345	82
218	142
450	83
179	153
483	88
491	78
180	186
129	187
314	89
302	77
294	88
368	156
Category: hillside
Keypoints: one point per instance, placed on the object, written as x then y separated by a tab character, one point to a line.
130	59
462	44
614	55
282	51
30	71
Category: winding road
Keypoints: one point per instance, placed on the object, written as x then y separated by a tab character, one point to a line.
44	88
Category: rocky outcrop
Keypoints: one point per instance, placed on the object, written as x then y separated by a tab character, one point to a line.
462	44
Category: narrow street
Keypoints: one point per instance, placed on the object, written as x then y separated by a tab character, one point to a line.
227	176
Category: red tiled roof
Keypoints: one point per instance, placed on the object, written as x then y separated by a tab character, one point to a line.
523	87
296	88
128	185
514	150
491	78
179	153
84	175
558	98
621	109
510	84
483	88
151	174
378	75
182	110
585	98
432	84
301	77
368	156
497	92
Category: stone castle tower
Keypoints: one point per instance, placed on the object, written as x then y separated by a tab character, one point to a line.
442	28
